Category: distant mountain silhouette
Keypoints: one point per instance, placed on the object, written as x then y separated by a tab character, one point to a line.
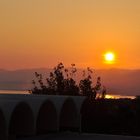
121	81
19	79
117	81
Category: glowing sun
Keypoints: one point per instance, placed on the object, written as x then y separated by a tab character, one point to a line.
109	57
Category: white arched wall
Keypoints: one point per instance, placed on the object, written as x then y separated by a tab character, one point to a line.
68	118
21	122
30	108
47	118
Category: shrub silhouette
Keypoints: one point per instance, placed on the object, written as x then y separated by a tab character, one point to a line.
86	85
61	82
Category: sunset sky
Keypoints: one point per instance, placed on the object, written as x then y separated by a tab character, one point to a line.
41	33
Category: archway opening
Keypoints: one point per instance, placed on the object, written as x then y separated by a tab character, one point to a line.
22	121
2	127
69	116
47	118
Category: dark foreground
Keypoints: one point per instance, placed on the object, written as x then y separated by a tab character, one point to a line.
76	136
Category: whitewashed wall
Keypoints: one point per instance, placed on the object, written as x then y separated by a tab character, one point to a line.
25	115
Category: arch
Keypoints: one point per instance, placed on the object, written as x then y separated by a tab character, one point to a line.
21	121
47	118
2	126
69	116
85	118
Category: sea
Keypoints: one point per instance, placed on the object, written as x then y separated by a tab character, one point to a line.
108	96
14	92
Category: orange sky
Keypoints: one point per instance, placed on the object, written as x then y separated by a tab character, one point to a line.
41	33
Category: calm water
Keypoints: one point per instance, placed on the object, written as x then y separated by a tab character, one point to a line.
13	92
108	96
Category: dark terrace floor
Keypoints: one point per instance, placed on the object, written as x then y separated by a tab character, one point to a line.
76	136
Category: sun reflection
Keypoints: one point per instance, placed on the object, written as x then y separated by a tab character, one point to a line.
119	97
109	97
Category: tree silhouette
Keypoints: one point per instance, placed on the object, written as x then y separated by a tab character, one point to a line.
61	82
86	85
